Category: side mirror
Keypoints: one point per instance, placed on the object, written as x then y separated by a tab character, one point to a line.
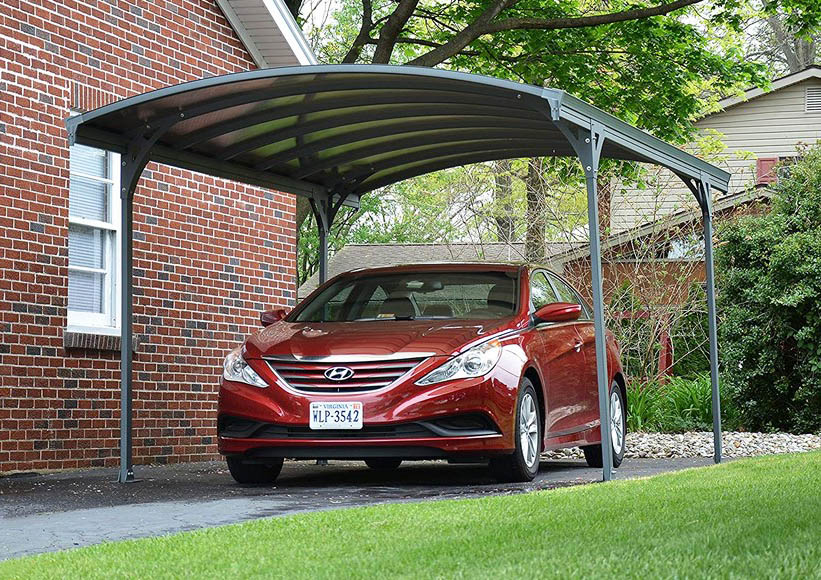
558	312
268	317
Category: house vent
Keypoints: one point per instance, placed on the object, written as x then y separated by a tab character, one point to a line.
814	99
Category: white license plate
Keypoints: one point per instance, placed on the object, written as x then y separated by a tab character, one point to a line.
342	415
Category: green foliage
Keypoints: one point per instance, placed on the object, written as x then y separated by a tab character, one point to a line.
691	354
769	276
679	405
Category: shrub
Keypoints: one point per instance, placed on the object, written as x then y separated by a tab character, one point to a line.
769	276
680	405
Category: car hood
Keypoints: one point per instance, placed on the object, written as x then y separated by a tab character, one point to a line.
369	338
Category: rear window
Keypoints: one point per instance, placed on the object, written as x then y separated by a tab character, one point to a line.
414	295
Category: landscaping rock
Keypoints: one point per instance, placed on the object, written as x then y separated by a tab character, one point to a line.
700	444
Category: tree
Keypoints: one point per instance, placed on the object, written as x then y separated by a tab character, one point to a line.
769	283
652	64
775	42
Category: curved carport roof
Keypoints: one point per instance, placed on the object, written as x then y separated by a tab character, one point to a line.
354	128
333	133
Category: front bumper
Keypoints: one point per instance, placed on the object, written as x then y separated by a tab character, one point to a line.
404	420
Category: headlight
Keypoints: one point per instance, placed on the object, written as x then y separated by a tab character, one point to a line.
475	362
236	369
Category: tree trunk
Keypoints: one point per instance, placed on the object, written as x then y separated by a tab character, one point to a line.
536	214
503	202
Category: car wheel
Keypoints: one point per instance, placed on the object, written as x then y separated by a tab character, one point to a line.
383	463
618	431
523	463
254	472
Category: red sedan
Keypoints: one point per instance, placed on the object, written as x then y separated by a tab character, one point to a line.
467	362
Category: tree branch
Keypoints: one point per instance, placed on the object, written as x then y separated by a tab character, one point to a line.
464	37
485	26
391	29
364	34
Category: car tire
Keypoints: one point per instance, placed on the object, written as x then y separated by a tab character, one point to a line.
254	473
383	463
523	463
618	416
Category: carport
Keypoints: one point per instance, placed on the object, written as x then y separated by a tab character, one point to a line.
334	133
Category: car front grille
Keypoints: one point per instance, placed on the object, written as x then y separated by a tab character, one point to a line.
370	375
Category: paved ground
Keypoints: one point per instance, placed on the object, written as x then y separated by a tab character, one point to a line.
41	513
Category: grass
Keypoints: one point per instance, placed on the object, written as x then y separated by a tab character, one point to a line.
750	518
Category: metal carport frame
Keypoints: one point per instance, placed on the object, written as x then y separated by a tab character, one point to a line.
333	133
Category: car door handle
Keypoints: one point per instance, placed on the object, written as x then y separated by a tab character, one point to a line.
577	346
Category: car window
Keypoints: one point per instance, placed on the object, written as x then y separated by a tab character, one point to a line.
412	295
568	294
541	292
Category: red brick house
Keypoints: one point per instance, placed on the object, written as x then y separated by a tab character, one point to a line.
209	254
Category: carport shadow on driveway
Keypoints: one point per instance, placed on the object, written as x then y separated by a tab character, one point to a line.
62	510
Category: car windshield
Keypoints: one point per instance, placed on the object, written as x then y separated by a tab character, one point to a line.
414	295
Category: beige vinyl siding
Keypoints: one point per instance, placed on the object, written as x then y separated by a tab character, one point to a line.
772	125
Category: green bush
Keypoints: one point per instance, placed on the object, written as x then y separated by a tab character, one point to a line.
769	276
679	405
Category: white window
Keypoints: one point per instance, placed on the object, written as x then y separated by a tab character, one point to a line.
93	239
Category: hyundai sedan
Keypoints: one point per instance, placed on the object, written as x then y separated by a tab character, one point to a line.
464	362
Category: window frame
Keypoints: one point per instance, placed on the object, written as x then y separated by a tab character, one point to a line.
107	321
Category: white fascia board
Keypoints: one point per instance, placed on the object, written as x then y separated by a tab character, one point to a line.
783	82
291	31
242	32
285	24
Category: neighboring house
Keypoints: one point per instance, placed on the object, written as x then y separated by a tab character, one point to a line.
759	130
208	254
353	256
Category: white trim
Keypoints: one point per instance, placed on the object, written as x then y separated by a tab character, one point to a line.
105	330
808	73
285	25
108	321
292	33
242	32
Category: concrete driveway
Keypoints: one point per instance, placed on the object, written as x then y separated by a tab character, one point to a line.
42	513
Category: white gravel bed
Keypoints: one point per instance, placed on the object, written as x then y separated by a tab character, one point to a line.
700	444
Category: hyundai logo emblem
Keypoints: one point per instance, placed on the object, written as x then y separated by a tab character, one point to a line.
338	373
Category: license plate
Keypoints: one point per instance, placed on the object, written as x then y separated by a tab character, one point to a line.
342	415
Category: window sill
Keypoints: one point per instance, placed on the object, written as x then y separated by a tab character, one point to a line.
88	338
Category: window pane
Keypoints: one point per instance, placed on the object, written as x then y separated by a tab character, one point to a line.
86	246
88	198
85	292
565	292
88	161
541	292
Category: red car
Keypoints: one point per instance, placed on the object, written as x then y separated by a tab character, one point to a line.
465	362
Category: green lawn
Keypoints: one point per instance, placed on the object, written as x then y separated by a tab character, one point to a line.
750	518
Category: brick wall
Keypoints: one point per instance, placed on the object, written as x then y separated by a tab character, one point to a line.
208	254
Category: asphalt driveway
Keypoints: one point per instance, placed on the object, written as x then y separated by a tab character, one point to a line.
41	513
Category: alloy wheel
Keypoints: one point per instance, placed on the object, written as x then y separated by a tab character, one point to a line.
529	430
616	422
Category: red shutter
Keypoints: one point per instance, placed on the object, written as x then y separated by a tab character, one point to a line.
765	170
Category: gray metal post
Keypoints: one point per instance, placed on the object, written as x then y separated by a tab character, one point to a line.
588	145
126	347
707	215
324	218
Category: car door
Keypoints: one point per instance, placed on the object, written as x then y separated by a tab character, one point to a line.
560	359
587	396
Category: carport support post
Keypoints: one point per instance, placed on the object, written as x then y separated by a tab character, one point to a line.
322	209
588	145
707	215
133	162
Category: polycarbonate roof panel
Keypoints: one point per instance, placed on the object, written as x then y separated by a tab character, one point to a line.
354	128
